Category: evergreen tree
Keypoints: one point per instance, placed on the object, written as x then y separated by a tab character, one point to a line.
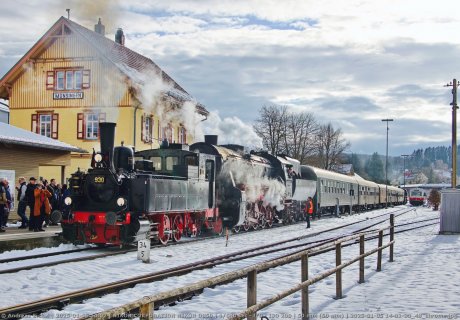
374	168
357	165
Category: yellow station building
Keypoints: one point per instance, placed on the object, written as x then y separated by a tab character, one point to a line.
73	78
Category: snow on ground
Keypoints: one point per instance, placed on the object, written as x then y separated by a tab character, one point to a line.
422	282
30	285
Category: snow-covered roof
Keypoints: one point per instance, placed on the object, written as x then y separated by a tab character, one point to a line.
4	108
14	135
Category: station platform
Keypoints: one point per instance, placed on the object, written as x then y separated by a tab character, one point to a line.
13	233
20	239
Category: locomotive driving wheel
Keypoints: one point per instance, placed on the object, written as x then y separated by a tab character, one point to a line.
164	230
177	227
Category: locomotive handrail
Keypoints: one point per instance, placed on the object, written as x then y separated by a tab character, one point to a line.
146	304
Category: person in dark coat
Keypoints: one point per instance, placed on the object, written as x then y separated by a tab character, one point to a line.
3	204
9	202
54	199
22	202
30	199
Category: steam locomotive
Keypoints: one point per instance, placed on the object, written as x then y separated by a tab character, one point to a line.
179	190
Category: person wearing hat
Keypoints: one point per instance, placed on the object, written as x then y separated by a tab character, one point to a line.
30	198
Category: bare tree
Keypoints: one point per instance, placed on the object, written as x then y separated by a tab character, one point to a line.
270	127
331	146
300	135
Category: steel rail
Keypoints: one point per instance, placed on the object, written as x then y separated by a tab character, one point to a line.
60	301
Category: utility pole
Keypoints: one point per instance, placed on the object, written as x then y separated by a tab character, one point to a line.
404	156
386	166
454	84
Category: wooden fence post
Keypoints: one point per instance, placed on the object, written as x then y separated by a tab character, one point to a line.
379	254
252	292
304	275
146	311
361	261
338	273
392	234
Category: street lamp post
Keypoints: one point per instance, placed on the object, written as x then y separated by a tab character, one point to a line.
386	166
404	167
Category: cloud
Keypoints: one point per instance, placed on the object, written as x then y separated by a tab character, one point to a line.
351	63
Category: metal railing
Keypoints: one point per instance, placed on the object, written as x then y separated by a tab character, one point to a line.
146	304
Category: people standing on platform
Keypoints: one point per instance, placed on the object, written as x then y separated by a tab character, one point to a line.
42	207
22	202
9	200
30	199
65	192
54	199
3	204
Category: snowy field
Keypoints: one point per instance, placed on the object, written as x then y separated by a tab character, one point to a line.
403	286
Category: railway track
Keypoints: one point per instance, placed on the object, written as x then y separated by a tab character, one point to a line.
181	297
60	301
124	251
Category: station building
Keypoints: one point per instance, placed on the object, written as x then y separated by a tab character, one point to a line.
73	78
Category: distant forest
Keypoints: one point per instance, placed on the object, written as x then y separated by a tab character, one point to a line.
430	165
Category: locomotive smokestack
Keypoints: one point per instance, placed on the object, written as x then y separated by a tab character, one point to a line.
107	135
210	139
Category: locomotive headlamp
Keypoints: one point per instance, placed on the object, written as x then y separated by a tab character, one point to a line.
121	202
68	201
98	158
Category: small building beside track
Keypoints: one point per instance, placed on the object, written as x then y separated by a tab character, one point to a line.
27	154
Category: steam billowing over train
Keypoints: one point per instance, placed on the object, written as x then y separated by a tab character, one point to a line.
180	190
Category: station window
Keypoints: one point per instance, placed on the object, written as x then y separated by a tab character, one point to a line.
68	79
147	128
182	133
88	125
45	124
165	133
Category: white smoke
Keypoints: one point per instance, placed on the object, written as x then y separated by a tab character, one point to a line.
252	178
231	130
160	98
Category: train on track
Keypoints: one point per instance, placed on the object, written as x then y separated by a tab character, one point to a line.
417	196
180	190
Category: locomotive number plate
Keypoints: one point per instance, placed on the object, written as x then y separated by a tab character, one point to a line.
99	179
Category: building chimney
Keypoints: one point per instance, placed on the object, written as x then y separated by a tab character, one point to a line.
120	37
99	28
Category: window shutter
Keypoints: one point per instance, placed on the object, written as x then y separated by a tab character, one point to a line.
152	124
55	126
184	139
143	128
49	80
86	79
80	128
102	117
34	123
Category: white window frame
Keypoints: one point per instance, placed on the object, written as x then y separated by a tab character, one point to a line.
91	126
45	124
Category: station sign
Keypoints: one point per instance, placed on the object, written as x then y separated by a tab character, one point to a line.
67	95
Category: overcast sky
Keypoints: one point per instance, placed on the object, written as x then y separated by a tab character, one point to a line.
351	63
